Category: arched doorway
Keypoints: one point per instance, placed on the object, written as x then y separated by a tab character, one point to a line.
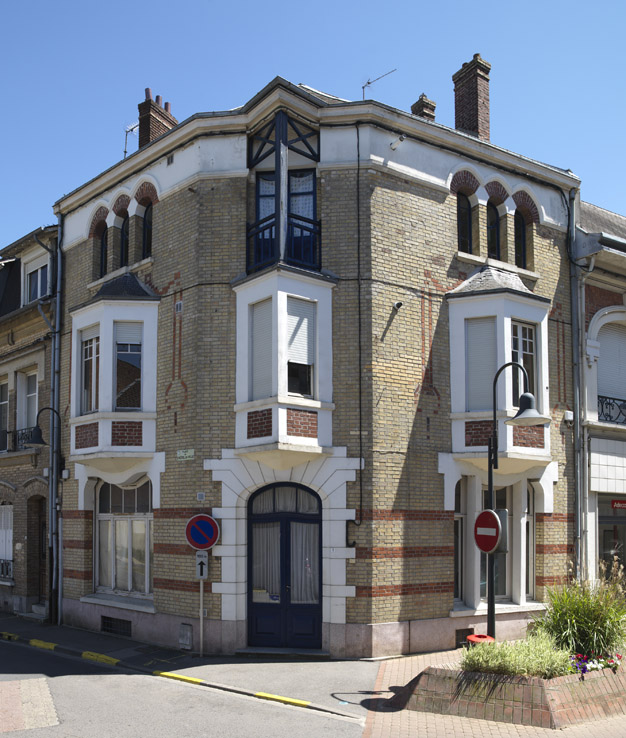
284	567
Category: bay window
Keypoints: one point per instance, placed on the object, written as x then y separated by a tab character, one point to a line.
124	539
261	350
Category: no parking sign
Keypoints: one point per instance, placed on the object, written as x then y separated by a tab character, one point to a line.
202	532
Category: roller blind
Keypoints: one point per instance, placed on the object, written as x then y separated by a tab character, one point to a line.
91	332
612	361
128	332
301	331
480	358
261	349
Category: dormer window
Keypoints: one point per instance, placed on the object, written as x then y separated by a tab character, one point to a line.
36	279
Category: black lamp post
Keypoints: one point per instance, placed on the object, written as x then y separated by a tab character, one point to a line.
527	415
37	441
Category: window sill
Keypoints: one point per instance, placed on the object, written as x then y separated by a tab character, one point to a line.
480	260
290	400
120	601
7	582
460	610
112	415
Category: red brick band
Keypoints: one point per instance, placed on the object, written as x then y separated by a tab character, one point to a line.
529	437
126	433
368	515
77	574
555	517
403	552
391	590
477	432
177	586
169	513
80	544
174	549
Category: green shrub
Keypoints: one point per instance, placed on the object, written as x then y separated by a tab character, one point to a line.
589	617
537	655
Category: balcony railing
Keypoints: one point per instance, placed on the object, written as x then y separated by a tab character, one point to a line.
6	569
303	243
611	410
15	440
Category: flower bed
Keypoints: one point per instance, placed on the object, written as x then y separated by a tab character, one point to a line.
547	703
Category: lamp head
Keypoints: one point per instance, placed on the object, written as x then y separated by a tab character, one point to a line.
527	414
36	438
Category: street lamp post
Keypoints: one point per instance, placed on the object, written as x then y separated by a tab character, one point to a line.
37	441
527	415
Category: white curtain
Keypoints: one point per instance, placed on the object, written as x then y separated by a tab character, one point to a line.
305	563
266	562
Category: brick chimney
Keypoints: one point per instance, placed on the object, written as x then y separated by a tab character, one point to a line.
424	107
154	120
471	98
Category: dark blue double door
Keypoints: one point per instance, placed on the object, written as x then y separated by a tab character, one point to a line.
284	568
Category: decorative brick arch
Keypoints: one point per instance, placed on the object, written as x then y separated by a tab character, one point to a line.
464	182
146	194
7	492
526	206
497	193
33	487
99	217
121	204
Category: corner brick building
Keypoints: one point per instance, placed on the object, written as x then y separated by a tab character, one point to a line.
289	316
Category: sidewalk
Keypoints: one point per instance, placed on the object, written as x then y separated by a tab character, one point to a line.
370	691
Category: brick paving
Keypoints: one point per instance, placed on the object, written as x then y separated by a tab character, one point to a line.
397	722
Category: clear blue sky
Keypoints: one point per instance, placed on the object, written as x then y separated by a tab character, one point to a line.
73	72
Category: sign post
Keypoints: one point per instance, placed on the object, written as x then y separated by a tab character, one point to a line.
202	533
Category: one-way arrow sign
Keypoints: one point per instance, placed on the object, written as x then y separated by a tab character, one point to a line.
202	564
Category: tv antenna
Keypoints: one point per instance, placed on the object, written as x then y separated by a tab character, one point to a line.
131	129
371	81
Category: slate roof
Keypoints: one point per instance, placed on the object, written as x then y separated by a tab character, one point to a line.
490	279
125	287
597	220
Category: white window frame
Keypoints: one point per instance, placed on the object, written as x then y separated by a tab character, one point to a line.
6	541
29	267
4	415
22	419
90	340
137	340
518	355
112	518
507	595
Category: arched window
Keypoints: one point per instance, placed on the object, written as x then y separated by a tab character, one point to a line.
521	259
464	223
104	251
124	241
124	535
146	249
493	231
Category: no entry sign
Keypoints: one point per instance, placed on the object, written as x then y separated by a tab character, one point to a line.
202	532
487	531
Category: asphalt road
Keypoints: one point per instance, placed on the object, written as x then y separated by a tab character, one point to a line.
95	701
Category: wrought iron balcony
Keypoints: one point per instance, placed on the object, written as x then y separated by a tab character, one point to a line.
6	569
611	410
302	248
21	438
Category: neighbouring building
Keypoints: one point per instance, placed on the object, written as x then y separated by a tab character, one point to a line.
290	315
601	255
27	316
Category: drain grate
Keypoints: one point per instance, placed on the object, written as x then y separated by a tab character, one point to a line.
116	626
